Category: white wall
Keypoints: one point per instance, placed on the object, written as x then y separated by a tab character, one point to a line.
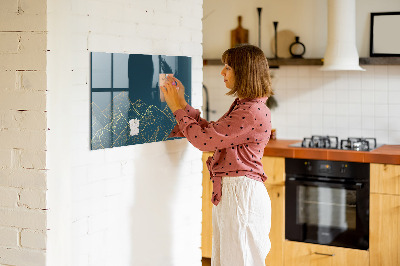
135	205
23	133
306	19
311	102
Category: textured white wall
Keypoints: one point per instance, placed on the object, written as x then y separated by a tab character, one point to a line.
23	133
135	205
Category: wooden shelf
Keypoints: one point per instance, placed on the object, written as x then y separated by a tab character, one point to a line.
273	63
380	61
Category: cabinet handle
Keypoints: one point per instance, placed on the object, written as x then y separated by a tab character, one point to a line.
324	254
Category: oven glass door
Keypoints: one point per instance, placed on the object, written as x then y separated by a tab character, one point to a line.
327	207
326	213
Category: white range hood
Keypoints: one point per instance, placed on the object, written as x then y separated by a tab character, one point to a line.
341	51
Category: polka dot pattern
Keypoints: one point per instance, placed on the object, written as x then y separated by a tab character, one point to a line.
238	139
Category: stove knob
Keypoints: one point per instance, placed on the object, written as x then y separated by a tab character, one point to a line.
308	166
343	168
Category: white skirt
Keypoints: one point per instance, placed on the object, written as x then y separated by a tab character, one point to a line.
241	223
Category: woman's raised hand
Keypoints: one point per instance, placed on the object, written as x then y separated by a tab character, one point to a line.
181	90
174	94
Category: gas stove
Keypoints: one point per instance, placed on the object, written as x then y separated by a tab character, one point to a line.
332	142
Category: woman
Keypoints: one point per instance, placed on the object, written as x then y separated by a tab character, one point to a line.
242	208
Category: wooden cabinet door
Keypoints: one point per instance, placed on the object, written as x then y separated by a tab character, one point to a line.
277	233
274	168
206	226
384	237
385	178
304	254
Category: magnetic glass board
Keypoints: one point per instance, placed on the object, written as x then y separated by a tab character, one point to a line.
127	105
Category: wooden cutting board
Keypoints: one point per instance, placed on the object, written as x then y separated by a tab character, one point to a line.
239	35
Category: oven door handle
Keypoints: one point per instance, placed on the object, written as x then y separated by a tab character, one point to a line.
357	185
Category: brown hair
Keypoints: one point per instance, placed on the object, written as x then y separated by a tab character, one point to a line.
250	66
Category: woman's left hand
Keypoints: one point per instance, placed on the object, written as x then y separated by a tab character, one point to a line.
171	95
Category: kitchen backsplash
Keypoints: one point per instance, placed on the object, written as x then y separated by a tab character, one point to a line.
314	102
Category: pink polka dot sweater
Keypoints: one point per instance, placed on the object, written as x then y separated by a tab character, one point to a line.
238	139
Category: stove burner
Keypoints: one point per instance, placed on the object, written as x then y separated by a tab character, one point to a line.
332	142
328	142
358	144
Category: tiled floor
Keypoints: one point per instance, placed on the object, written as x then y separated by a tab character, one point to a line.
206	261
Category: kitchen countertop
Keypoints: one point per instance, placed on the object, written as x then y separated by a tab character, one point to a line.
389	154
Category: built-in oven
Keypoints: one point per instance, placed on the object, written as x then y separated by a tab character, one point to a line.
327	202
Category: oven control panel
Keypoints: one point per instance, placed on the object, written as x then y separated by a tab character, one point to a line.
325	167
338	169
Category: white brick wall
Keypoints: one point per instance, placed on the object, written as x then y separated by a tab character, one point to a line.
23	132
33	239
11	256
9	237
135	205
8	197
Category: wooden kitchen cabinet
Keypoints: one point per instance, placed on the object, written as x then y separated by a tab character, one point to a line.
305	254
277	233
206	225
274	168
384	236
385	215
385	178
